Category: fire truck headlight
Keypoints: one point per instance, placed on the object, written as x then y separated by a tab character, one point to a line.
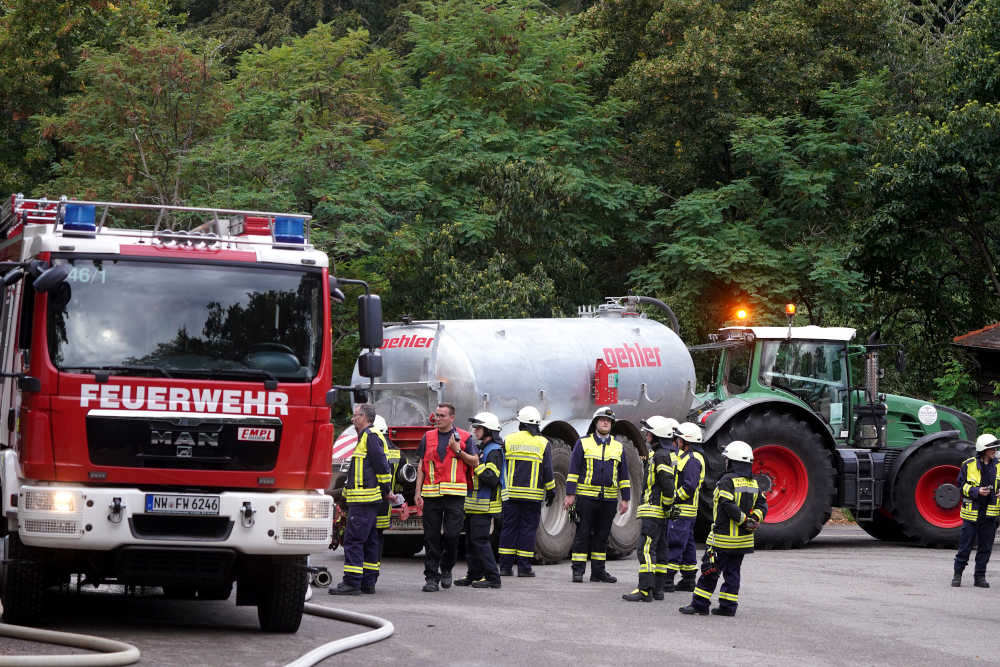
295	509
63	502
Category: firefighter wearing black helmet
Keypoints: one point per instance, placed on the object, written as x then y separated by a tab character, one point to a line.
598	483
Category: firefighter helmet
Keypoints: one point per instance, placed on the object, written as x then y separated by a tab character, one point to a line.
661	427
738	450
986	441
690	432
487	420
529	415
380	425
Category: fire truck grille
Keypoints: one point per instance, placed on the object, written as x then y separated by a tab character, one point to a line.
142	442
152	566
50	527
304	534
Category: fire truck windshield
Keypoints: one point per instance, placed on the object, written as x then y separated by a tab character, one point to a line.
180	319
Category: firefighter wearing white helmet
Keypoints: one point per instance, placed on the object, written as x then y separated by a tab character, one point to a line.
483	504
599	485
657	497
689	466
738	508
977	478
528	481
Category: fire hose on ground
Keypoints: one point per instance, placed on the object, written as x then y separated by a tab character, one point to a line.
113	652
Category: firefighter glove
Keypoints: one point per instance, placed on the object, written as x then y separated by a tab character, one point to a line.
550	495
750	524
674	512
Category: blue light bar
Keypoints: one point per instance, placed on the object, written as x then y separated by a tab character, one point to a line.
80	218
290	230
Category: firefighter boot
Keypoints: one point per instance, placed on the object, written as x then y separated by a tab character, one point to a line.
668	581
979	581
687	582
956	579
639	595
578	573
658	584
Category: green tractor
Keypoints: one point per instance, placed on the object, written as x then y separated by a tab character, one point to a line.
821	441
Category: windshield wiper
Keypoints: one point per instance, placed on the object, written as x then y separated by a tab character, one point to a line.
139	369
270	381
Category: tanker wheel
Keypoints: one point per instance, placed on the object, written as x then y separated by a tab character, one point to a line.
626	527
883	527
555	531
926	500
794	468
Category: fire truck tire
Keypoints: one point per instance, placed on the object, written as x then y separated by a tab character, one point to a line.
555	531
883	527
626	527
926	474
22	583
791	458
281	596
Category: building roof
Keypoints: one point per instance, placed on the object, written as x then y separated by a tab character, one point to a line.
987	338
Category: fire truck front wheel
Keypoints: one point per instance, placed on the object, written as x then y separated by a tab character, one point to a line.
281	594
22	582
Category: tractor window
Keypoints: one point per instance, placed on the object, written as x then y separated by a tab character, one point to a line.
815	372
737	377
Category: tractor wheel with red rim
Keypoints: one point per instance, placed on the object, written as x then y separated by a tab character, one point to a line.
925	494
792	465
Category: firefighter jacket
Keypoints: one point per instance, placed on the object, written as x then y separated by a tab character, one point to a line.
658	493
368	476
597	469
448	476
529	467
487	490
971	475
736	497
689	467
393	457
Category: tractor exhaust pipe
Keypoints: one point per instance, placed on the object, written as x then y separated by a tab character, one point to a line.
872	414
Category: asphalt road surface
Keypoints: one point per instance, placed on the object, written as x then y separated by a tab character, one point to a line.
846	599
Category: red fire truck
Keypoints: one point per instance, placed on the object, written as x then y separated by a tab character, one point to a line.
166	395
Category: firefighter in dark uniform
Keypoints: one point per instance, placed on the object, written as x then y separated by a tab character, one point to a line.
529	481
689	468
657	497
980	508
738	508
447	455
393	457
598	474
483	504
367	487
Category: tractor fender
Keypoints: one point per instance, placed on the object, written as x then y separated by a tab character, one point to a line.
732	407
912	449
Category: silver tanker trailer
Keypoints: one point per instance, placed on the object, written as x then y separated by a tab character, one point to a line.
566	367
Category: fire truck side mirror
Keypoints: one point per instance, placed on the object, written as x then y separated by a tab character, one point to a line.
370	365
51	278
331	397
370	320
13	276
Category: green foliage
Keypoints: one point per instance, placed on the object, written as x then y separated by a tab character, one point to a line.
957	388
975	54
507	149
781	230
140	113
40	46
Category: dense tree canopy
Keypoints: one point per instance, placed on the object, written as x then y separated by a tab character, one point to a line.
496	159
